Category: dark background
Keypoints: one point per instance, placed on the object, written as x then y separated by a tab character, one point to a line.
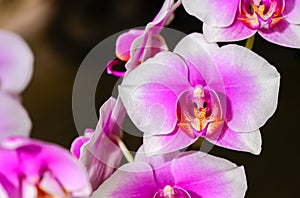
61	33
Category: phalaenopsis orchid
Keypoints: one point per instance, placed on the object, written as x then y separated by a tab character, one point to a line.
176	98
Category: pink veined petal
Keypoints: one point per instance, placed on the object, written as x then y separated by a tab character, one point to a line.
251	86
16	63
105	116
14	120
100	155
292	11
248	142
124	43
117	117
206	176
121	183
162	144
111	116
197	54
235	32
283	33
219	13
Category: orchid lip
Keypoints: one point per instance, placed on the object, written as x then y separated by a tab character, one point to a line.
196	110
172	192
260	14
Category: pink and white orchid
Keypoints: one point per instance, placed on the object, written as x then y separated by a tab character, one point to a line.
222	94
277	21
191	175
16	67
98	149
136	46
14	120
16	63
32	168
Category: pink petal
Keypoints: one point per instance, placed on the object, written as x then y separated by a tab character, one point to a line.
66	169
100	155
146	45
77	144
50	185
161	144
3	192
251	86
162	14
235	32
197	54
149	95
28	189
156	161
292	11
16	63
124	43
283	33
248	142
207	176
14	120
131	180
9	185
219	13
160	164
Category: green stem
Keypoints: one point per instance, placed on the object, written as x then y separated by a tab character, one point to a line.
124	149
250	42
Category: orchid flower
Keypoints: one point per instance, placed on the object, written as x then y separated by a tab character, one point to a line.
16	63
98	150
16	66
222	94
14	120
277	21
191	175
30	168
136	46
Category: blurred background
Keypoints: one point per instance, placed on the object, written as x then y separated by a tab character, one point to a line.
61	33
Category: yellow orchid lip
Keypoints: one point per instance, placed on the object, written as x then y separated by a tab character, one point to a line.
260	14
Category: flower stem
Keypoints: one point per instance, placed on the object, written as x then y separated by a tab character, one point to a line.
250	42
124	149
176	5
197	144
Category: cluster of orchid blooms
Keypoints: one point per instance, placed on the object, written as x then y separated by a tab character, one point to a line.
197	91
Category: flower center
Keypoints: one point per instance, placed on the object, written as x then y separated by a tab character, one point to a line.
257	14
172	192
197	110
